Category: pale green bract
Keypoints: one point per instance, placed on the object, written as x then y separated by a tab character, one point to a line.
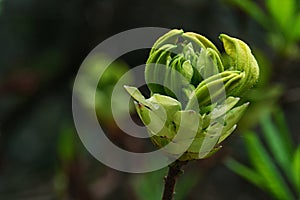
190	79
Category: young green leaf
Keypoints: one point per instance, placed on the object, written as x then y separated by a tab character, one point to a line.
295	31
296	169
276	144
266	168
246	172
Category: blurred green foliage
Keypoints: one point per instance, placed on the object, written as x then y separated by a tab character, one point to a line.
106	85
112	77
280	19
275	166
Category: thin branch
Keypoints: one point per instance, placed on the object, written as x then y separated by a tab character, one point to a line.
170	181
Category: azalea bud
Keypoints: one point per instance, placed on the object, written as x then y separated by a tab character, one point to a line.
194	89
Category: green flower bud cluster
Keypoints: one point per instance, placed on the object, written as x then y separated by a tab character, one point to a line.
195	89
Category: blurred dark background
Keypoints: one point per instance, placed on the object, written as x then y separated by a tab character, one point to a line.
42	45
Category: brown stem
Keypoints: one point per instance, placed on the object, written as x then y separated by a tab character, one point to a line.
170	180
